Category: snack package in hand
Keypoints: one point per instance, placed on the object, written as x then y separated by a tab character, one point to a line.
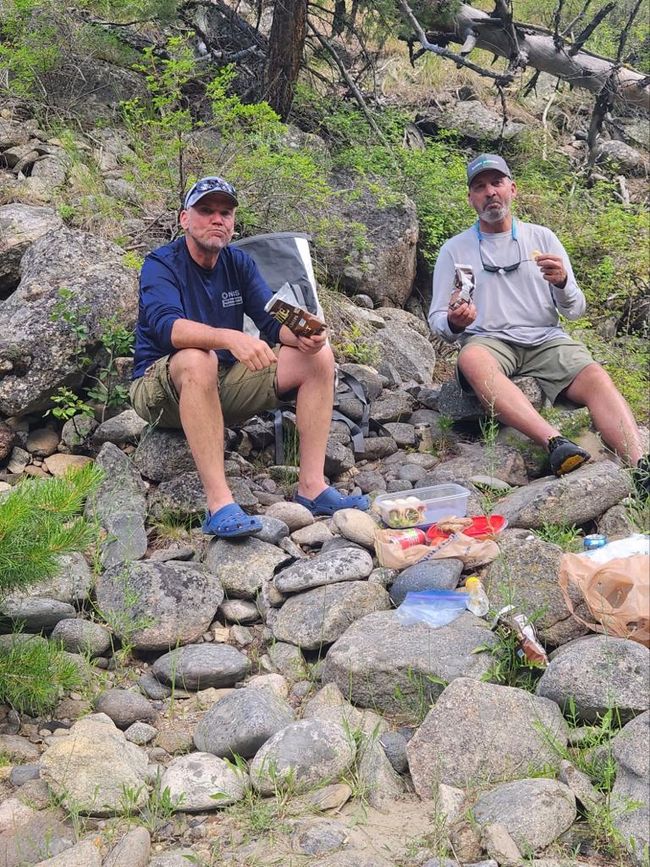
464	285
298	320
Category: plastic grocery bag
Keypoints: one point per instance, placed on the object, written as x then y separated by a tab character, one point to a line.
433	607
473	552
615	587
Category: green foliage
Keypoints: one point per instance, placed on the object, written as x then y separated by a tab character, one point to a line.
39	521
354	346
29	44
509	665
33	674
569	538
66	310
67	404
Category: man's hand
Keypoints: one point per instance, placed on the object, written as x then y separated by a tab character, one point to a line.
251	351
552	268
312	345
462	316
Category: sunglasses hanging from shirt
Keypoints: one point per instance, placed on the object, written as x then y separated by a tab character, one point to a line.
499	269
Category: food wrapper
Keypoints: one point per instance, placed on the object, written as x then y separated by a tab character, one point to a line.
529	647
464	285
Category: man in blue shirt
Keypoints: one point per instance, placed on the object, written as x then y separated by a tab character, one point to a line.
195	366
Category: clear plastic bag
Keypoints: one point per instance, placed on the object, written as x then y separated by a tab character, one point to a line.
433	607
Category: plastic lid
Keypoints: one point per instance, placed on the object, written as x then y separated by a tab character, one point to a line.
473	582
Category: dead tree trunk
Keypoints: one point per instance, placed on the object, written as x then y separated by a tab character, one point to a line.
537	47
286	44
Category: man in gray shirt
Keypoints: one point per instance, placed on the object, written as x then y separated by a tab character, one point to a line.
509	323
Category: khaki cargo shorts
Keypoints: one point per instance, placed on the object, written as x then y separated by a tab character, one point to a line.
554	364
243	393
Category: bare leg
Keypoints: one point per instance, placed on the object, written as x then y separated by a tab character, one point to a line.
609	410
496	391
313	376
195	375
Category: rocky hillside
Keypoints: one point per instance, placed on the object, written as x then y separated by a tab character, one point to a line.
260	702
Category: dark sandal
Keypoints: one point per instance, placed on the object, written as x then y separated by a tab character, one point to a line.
231	521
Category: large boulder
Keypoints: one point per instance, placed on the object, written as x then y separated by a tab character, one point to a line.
119	504
242	722
91	767
383	264
576	498
404	344
381	663
20	226
39	351
461	405
302	755
319	616
598	673
162	455
525	575
473	120
201	782
155	605
478	731
534	812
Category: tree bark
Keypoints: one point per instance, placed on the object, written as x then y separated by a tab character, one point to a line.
286	44
582	69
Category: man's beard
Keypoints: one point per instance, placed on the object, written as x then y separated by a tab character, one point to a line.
494	215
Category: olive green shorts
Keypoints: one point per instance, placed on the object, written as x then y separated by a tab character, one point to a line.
554	364
243	393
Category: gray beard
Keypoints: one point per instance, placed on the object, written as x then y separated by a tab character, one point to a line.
491	215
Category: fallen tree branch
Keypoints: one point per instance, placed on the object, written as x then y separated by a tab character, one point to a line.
583	69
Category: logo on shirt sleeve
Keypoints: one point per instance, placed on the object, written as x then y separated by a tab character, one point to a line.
231	298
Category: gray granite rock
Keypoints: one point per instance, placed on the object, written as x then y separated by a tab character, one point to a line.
121	429
140	733
322	615
125	707
381	663
630	799
392	406
581	496
241	722
201	781
241	565
426	575
500	460
315	836
534	811
82	636
181	498
599	673
119	504
463	406
36	613
199	666
478	731
239	611
159	605
163	454
42	836
525	575
132	850
306	753
332	567
90	768
273	530
394	745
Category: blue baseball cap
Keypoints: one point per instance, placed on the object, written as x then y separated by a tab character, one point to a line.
484	163
205	186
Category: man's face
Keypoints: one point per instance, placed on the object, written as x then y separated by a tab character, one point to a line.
210	223
491	194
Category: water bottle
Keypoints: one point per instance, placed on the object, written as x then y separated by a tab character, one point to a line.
477	601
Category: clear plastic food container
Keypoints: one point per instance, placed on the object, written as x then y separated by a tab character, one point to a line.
436	502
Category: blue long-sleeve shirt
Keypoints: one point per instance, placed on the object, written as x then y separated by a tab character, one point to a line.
173	286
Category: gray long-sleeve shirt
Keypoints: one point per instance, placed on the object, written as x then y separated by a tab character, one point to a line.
520	306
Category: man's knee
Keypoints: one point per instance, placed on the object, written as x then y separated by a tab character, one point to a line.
474	359
198	366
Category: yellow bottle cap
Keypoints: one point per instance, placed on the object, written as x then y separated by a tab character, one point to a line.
472	582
